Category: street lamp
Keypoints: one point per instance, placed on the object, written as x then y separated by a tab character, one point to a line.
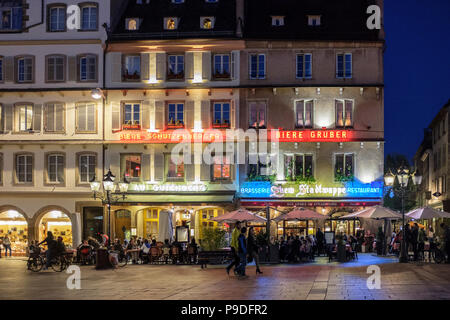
402	176
109	196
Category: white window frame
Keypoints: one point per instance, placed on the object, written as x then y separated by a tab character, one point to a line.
344	164
28	163
134	59
55	68
257	104
22	73
344	113
90	7
279	19
312	18
85	105
304	113
58	8
344	71
221	55
89	164
303	155
28	112
258	55
303	55
56	168
133	113
85	59
221	103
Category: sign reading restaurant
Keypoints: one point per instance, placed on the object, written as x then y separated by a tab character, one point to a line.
176	136
351	189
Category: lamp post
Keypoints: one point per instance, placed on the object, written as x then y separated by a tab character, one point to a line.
403	175
109	194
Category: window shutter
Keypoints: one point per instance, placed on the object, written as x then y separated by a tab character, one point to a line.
115	114
114	164
206	114
146	167
8	64
59	114
339	113
91	108
81	117
145	115
159	167
348	113
234	65
49	118
72	64
116	67
160	66
145	66
37	115
206	65
8	115
190	170
159	115
205	172
233	114
190	114
189	65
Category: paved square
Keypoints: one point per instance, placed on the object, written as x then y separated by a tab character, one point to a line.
316	281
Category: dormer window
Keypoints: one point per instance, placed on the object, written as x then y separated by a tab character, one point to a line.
314	21
177	1
132	23
11	18
211	1
277	21
170	23
207	22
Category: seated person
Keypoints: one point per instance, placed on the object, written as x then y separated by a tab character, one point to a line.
145	249
134	254
166	250
60	247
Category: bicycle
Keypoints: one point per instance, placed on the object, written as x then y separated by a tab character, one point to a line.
436	252
38	260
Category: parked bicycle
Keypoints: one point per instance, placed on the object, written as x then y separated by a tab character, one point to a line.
37	260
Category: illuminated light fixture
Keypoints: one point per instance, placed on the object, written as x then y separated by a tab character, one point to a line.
108	181
361	91
197	78
341	91
153	80
124	185
318	145
318	90
403	177
389	179
95	185
153	130
416	178
362	145
97	94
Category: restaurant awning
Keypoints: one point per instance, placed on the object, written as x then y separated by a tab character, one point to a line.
179	199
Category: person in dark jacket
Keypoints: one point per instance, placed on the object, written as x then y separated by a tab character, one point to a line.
253	248
446	240
60	247
51	248
242	250
320	237
414	240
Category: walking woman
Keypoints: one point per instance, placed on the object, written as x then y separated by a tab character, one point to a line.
253	248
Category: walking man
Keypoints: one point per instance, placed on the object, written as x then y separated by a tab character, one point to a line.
319	238
234	247
242	253
7	245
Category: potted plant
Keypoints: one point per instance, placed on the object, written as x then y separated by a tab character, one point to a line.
341	251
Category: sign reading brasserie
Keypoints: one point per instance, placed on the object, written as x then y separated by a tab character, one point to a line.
314	190
172	136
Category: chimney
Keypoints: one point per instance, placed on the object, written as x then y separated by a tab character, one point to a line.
239	17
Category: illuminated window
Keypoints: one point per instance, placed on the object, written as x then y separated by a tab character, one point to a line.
344	167
222	66
132	68
344	113
176	114
304	113
314	21
277	21
221	168
131	166
207	22
298	167
221	113
257	114
170	23
260	166
25	117
175	167
132	24
304	66
132	114
175	67
344	65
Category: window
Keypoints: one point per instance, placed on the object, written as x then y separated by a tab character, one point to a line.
132	116
260	165
257	115
344	65
344	113
175	167
222	66
344	167
257	66
11	18
221	168
24	168
1	168
25	117
55	168
89	17
57	18
304	113
207	22
54	117
314	21
221	114
177	1
176	115
170	23
86	118
211	1
1	69
24	66
304	66
87	164
298	167
56	68
88	67
131	166
132	68
176	67
132	24
277	21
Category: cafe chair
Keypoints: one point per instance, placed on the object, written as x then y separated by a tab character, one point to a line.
154	255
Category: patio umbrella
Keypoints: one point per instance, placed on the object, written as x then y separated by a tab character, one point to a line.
427	213
300	215
241	215
377	212
165	226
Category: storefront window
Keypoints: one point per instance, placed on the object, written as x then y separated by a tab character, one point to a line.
14	225
57	223
131	165
175	168
92	222
221	168
151	220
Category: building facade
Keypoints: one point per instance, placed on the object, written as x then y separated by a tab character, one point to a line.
308	86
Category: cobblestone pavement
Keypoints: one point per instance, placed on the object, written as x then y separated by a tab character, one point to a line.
316	281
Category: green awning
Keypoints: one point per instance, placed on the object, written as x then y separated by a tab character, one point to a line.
176	198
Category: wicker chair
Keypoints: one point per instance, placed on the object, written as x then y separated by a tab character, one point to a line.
155	255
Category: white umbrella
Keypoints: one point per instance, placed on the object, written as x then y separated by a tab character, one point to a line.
165	226
377	212
427	213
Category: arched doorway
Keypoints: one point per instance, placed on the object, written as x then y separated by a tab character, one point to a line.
58	223
14	225
123	224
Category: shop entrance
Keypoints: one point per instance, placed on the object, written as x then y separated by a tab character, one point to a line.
15	227
92	222
123	224
57	223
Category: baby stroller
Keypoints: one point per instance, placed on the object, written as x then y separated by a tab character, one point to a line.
87	255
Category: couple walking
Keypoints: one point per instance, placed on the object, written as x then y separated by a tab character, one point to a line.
241	248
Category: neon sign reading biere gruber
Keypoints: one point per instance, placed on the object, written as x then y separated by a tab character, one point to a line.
293	190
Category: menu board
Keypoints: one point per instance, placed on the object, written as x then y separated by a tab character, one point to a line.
329	237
